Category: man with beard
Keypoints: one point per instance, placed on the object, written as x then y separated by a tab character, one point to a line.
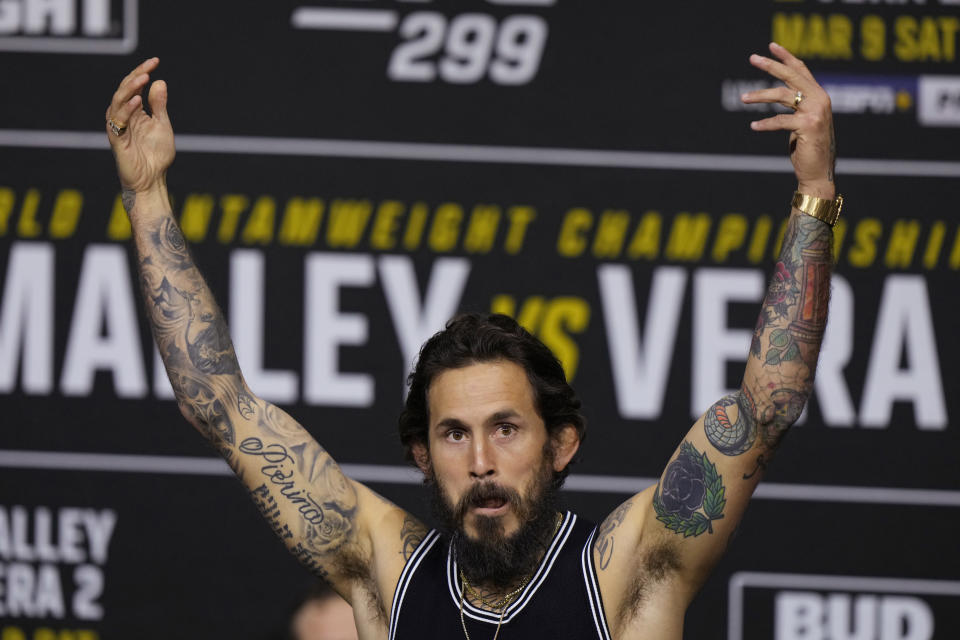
493	425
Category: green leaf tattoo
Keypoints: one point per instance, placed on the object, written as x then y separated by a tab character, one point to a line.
691	494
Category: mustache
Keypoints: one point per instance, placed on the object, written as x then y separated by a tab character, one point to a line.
480	493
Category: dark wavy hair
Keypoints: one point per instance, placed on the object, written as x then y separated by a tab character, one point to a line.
473	338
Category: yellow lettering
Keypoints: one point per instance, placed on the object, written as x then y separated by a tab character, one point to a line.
232	205
731	234
12	633
66	213
301	222
259	227
938	231
929	39
520	218
195	216
645	242
813	35
563	316
118	228
948	27
864	249
841	36
955	253
788	31
43	633
688	236
482	230
347	222
383	235
839	235
530	313
758	241
611	234
416	223
902	244
778	245
27	226
7	200
571	241
873	37
446	227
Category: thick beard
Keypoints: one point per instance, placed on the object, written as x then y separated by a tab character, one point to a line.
495	560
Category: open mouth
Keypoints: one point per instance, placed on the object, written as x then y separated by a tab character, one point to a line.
490	506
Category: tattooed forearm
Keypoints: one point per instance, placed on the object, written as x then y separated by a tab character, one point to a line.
785	345
603	544
189	328
690	495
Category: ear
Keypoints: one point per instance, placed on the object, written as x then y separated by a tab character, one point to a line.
566	442
421	456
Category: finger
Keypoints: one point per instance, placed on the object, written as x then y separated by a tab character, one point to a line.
127	91
781	95
782	122
790	77
146	66
157	97
125	114
790	60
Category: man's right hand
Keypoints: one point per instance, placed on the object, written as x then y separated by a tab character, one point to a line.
145	150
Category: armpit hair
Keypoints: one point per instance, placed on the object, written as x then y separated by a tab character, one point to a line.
352	567
656	565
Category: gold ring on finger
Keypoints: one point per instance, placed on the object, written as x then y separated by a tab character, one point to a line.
118	128
797	99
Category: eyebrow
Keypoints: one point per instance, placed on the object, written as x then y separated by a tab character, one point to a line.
454	423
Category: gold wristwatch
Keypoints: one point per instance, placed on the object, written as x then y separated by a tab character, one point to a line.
820	208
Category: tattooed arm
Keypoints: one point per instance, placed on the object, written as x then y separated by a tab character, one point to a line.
337	528
672	534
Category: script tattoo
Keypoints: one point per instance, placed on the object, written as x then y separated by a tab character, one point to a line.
784	348
129	198
603	544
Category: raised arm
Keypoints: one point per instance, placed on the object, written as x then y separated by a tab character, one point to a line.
673	533
325	519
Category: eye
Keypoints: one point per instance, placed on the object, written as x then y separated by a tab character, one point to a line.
456	435
506	429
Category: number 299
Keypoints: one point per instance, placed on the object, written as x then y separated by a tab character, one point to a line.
471	46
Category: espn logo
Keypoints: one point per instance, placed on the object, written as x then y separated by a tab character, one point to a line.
782	606
69	26
939	101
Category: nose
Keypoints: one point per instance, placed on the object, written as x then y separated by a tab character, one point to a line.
481	460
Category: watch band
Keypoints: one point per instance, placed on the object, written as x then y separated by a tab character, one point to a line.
820	208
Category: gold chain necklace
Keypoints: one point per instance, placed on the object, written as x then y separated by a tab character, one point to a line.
503	602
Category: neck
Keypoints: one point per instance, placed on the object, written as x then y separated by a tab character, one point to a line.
495	595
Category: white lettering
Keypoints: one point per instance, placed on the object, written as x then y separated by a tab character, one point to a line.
26	320
246	327
833	394
641	365
326	328
904	327
714	344
99	526
416	321
799	616
104	294
89	583
61	15
905	618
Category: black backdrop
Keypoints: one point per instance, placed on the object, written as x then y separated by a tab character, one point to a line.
584	165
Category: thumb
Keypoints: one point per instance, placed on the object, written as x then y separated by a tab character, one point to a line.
158	100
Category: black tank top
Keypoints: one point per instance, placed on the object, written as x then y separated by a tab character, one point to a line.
562	599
